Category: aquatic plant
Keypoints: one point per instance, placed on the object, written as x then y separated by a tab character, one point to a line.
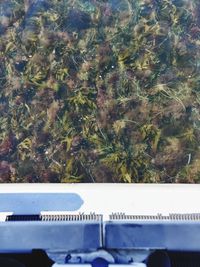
99	91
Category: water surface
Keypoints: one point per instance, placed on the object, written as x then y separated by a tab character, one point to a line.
99	91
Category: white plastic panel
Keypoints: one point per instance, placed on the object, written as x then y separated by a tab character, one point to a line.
145	199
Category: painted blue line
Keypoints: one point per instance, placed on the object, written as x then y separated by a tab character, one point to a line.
33	203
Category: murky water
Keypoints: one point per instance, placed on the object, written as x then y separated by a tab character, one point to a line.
99	91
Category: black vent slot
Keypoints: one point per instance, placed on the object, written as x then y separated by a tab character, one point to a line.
37	258
23	218
184	259
174	259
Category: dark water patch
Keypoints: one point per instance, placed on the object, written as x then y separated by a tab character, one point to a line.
78	20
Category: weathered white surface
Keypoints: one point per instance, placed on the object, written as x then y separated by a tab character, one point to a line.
145	199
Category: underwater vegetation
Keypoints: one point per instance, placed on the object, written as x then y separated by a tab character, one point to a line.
100	91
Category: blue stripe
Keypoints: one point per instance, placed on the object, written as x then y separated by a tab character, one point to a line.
33	203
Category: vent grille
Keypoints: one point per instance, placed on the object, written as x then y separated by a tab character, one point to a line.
99	217
56	217
158	217
72	217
